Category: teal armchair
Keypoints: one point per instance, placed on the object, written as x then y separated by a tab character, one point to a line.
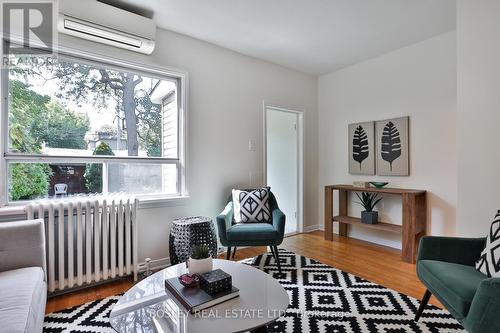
446	266
270	234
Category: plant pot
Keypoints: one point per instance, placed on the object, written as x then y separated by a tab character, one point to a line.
199	266
369	217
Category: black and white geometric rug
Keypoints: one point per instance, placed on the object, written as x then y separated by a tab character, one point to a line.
322	299
325	299
87	318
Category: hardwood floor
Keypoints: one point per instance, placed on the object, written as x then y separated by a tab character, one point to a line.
58	303
375	263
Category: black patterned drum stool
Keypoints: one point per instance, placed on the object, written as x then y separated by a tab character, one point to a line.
189	232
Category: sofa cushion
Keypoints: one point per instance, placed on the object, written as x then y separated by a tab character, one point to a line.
453	284
22	300
252	231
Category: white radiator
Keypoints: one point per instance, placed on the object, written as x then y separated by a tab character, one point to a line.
88	239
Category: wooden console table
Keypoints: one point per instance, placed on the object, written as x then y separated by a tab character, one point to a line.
414	216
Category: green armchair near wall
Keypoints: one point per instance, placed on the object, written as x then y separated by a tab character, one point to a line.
270	234
446	266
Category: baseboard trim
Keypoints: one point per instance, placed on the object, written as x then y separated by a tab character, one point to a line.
372	240
311	228
155	264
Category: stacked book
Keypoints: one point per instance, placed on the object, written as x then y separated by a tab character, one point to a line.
215	287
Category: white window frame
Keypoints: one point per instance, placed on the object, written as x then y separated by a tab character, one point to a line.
149	200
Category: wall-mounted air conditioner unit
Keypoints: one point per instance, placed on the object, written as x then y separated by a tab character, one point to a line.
98	22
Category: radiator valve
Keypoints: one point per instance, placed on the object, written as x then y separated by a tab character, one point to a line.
148	267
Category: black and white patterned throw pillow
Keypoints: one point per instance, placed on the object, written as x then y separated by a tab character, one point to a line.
252	206
489	262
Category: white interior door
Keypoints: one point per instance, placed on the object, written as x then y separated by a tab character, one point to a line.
282	155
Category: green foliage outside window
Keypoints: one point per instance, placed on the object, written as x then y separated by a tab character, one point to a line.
93	172
65	129
29	181
34	120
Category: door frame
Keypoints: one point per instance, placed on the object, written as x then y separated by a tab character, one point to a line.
300	157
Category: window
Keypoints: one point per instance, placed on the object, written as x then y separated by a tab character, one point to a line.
80	126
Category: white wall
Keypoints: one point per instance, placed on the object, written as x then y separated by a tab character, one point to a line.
478	45
225	111
418	81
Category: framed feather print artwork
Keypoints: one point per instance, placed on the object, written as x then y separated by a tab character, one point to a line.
362	148
392	147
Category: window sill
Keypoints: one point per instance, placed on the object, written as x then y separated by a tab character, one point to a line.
160	202
18	209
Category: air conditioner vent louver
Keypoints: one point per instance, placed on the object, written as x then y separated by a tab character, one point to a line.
98	22
98	31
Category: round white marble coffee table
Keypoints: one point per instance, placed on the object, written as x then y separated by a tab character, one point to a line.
262	300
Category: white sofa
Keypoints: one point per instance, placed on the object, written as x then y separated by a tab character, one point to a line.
23	288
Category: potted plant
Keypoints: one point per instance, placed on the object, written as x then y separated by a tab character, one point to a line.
200	260
368	201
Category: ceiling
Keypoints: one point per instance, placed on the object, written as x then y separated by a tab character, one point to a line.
312	36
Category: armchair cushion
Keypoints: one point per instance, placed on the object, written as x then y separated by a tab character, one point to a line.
251	206
488	263
453	284
252	231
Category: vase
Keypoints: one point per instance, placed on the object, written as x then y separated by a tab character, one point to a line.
369	217
199	266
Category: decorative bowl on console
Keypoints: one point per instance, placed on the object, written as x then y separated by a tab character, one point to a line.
379	184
